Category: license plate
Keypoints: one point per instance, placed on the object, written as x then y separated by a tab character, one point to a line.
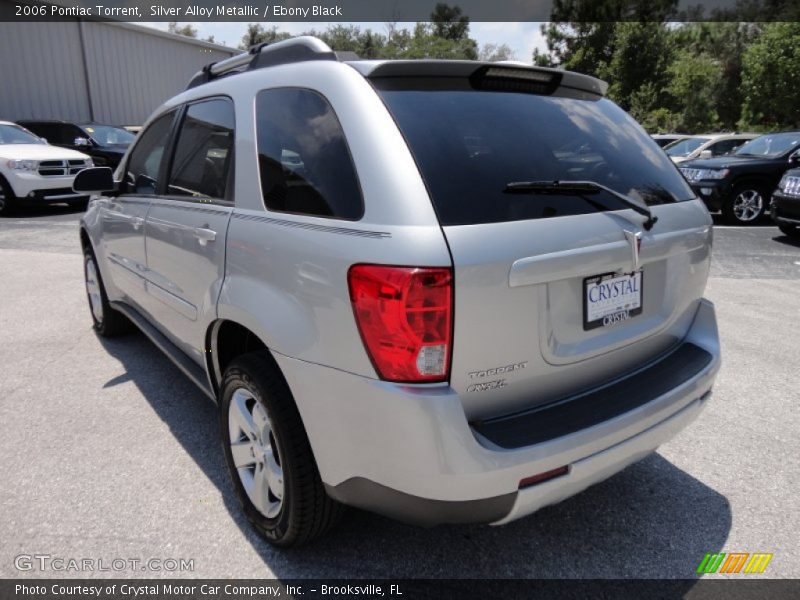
609	299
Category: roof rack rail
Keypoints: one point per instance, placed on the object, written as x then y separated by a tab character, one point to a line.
260	56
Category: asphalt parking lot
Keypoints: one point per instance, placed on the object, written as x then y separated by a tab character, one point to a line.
107	451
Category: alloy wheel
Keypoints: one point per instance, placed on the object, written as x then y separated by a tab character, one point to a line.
255	453
93	290
748	205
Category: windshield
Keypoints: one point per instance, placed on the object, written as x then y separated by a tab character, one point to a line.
14	134
684	147
771	145
470	144
106	135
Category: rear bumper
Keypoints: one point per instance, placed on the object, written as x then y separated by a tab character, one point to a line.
409	452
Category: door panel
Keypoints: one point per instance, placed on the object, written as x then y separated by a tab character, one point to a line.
186	263
123	221
186	227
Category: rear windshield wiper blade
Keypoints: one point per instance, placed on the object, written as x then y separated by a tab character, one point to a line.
567	187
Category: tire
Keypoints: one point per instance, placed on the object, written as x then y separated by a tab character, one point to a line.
791	231
258	417
107	322
746	204
8	201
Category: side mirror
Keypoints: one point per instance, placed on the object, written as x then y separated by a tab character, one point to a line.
81	142
706	154
44	140
94	180
794	159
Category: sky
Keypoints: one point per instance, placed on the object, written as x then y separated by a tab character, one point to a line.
522	38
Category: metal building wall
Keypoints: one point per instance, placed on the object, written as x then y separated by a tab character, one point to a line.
131	72
93	71
41	72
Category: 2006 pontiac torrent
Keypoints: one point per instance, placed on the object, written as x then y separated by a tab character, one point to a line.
444	291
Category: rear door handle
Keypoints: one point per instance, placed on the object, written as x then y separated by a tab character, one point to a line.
205	235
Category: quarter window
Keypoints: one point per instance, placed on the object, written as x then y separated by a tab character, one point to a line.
141	175
304	162
204	151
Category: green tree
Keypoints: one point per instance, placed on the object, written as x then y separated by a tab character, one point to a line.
492	52
771	78
642	53
449	22
257	34
187	30
693	87
581	33
726	43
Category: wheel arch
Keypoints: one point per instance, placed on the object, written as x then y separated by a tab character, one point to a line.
753	179
225	341
86	242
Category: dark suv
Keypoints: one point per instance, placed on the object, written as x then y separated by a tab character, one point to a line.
741	183
106	144
786	204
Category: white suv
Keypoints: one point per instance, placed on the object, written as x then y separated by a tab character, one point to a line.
35	172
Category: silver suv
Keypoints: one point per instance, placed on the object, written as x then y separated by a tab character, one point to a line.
444	291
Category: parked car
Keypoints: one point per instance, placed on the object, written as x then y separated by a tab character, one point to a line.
786	204
106	144
32	171
399	302
740	184
664	139
706	146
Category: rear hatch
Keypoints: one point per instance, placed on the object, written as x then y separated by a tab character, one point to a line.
556	291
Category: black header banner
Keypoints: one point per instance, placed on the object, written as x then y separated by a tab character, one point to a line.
266	11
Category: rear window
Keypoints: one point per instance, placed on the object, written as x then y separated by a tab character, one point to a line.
470	144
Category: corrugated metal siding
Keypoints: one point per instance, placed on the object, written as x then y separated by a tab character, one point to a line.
41	72
129	71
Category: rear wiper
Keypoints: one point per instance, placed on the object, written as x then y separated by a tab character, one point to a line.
578	188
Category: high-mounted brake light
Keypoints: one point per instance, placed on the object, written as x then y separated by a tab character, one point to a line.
526	74
405	317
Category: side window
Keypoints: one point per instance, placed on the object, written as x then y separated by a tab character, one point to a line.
304	162
141	174
43	130
62	134
724	147
204	151
70	132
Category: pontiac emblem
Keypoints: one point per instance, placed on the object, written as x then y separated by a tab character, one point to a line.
635	240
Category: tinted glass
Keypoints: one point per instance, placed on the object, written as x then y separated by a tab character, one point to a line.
105	135
724	146
11	134
141	175
685	147
470	144
771	145
303	157
204	151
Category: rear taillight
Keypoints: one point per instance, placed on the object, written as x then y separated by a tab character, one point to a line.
405	317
